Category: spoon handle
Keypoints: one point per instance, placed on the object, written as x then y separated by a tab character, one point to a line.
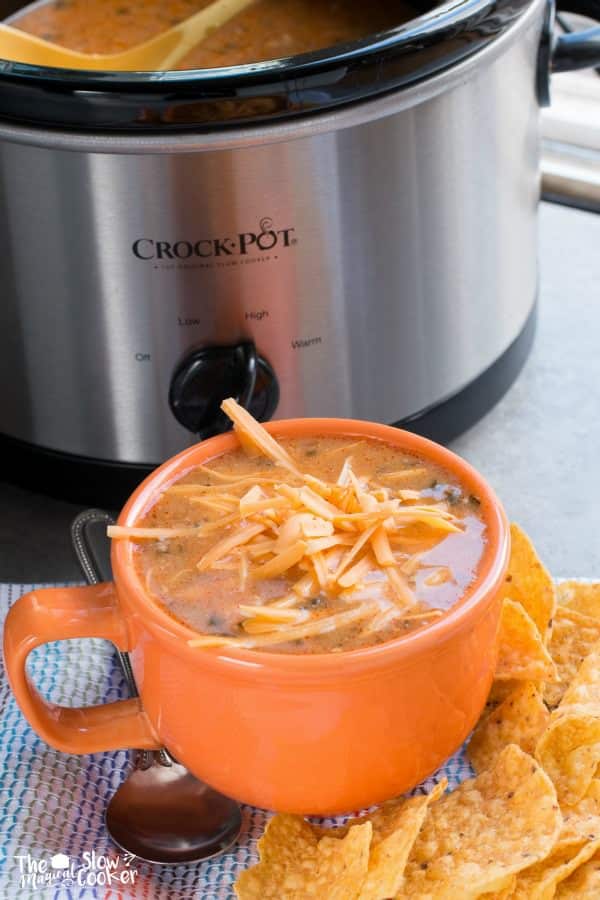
195	29
88	534
92	548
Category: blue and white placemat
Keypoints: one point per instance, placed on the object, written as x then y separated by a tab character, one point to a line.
53	843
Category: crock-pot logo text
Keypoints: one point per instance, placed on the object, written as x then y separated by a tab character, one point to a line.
267	238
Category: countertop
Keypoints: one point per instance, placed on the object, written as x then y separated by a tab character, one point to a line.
539	446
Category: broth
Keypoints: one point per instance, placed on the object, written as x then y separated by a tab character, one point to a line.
434	567
268	29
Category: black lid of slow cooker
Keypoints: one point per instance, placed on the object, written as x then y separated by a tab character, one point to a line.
204	99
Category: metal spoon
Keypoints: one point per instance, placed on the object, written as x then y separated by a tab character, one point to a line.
161	813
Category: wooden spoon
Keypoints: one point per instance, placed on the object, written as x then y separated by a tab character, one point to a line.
162	52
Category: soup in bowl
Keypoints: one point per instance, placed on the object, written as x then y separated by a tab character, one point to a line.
318	544
311	610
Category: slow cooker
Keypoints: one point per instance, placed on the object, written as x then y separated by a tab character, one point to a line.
350	232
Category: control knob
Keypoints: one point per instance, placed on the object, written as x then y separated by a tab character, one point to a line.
210	374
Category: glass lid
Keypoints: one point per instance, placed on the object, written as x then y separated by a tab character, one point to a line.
275	59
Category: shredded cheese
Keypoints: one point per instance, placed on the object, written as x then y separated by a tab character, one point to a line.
411	565
227	544
243	570
255	477
258	626
320	570
381	548
245	424
181	576
440	576
356	574
406	474
403	592
410	495
360	543
240	482
287	601
259	549
306	586
299	526
316	626
382	620
346	447
271	503
318	545
316	504
272	613
280	563
252	495
150	534
213	503
344	477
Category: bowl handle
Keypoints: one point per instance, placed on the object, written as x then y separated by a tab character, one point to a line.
55	614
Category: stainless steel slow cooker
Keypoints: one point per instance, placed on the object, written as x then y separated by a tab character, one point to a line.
350	232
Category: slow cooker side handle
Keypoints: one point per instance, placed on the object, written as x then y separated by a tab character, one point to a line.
578	50
567	52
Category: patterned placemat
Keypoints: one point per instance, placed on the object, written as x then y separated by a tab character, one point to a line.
53	843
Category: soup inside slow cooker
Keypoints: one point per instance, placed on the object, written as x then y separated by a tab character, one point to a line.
267	29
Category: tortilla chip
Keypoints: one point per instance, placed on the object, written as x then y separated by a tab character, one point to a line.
288	852
504	893
584	884
521	653
573	637
582	596
295	865
539	882
489	828
395	828
585	687
520	719
528	582
569	751
582	820
396	824
500	690
341	865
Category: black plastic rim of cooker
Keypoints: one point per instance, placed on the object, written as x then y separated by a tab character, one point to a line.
208	99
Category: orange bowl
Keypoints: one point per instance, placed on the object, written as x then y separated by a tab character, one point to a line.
319	734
